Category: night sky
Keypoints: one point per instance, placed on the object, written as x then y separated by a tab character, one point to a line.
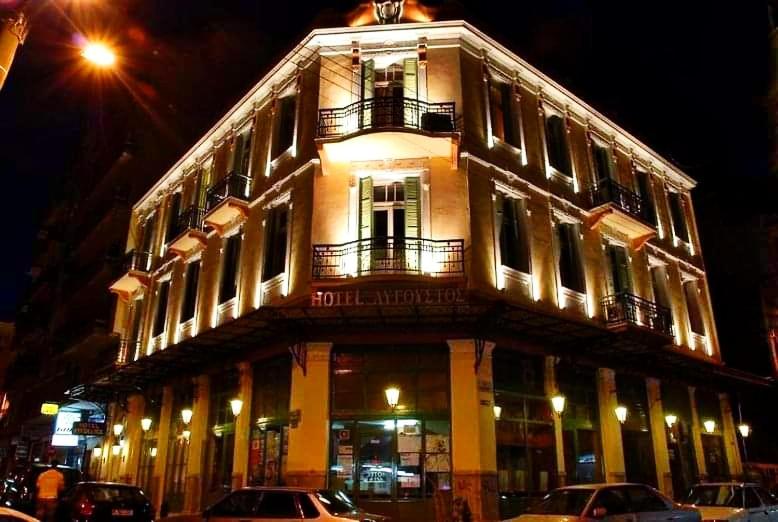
687	78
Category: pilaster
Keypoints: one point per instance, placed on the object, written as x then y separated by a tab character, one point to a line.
731	448
610	428
198	428
132	440
699	455
552	388
163	446
242	426
656	417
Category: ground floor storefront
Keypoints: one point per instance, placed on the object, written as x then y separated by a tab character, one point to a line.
403	428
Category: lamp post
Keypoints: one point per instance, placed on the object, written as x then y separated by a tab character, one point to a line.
558	403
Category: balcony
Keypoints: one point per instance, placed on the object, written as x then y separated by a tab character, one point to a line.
227	201
188	232
389	256
135	270
377	128
622	209
636	316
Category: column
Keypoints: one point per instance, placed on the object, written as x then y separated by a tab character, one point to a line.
699	454
133	436
240	461
610	428
473	441
656	416
199	432
552	388
163	446
731	448
111	472
310	404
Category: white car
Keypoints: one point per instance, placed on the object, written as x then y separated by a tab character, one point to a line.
608	503
261	504
733	501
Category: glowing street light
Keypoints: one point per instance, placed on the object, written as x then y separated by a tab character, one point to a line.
744	429
558	403
621	413
186	415
670	420
710	425
116	449
236	405
99	54
145	423
497	412
118	428
392	396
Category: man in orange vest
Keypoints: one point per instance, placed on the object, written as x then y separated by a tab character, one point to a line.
50	484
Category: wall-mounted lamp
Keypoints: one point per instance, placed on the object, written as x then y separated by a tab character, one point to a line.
186	415
392	396
670	420
116	449
153	452
145	423
97	452
621	413
744	429
236	405
186	434
118	428
710	425
497	412
558	403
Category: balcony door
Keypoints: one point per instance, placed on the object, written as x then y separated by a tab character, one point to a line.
388	85
619	272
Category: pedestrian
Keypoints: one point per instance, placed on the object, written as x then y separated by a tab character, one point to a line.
50	484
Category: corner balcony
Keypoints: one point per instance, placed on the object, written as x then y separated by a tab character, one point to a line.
386	256
622	209
638	318
136	267
227	201
188	235
377	128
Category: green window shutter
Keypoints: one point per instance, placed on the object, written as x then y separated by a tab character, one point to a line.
237	153
412	228
410	81
507	114
368	79
366	208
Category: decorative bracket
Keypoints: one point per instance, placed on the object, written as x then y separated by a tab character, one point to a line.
300	353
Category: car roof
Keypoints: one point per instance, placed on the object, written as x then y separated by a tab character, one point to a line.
107	484
280	488
731	483
604	485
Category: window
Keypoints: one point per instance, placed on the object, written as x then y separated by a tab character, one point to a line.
241	504
220	447
614	500
659	285
269	413
603	166
514	244
752	499
147	231
228	286
648	206
678	216
693	308
645	500
283	137
501	113
308	507
160	315
277	504
174	209
204	180
241	153
190	291
556	145
619	274
568	502
570	268
275	242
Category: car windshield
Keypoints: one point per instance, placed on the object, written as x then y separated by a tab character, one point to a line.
116	494
335	502
563	502
720	496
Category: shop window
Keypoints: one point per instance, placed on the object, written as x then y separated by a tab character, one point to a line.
636	430
603	165
501	113
709	409
678	216
556	145
174	209
270	424
189	302
513	233
221	439
692	295
570	264
275	242
228	285
160	313
683	465
283	135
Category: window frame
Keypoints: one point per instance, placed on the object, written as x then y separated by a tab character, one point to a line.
522	224
548	111
576	248
271	236
238	237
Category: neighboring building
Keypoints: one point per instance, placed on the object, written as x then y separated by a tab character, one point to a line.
413	206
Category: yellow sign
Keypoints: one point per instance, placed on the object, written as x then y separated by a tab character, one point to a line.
49	408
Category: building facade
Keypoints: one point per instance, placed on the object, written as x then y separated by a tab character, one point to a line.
379	268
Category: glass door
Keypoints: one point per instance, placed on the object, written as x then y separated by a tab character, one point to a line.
267	455
375	460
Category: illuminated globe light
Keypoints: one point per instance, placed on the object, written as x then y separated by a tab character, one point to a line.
744	429
497	412
118	429
392	396
186	415
710	426
558	403
621	413
99	54
670	420
145	423
236	405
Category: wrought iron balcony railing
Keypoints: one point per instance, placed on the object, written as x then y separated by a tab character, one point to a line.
137	261
233	185
128	348
191	218
389	255
387	112
624	308
608	191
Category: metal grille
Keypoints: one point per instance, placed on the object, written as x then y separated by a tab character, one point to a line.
138	261
608	191
191	218
386	112
389	255
624	308
233	185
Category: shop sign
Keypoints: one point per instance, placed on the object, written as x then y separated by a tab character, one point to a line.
49	408
94	429
63	429
388	297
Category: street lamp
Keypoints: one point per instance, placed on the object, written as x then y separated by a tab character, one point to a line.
558	403
145	423
710	425
392	397
116	449
497	412
97	451
99	54
670	420
118	428
744	429
621	413
236	405
186	415
186	434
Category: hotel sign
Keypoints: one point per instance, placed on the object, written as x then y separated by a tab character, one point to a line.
389	297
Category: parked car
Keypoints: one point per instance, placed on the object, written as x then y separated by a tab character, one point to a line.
104	502
608	503
19	487
733	501
270	504
11	515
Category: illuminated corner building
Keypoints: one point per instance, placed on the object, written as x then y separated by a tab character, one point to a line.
14	26
413	205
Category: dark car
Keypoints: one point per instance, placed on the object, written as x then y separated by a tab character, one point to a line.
19	487
103	502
